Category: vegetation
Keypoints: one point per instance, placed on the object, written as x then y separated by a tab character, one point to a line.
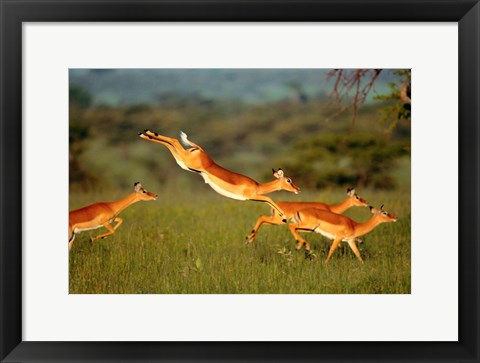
353	87
336	160
193	241
398	100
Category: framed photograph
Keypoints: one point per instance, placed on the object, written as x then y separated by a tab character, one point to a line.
242	181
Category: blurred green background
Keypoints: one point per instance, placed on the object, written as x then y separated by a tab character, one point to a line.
248	120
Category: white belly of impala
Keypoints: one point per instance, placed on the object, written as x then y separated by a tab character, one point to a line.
221	191
182	165
325	234
78	230
328	235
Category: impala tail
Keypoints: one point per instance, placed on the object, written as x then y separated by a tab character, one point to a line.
186	142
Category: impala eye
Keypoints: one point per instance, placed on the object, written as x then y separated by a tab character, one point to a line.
145	191
289	180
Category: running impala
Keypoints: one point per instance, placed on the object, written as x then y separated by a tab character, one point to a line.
352	200
336	227
99	215
223	181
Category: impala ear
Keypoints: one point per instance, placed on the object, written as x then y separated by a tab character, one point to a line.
351	192
137	186
372	210
381	208
278	174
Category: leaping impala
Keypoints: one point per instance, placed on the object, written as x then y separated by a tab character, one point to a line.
223	181
336	227
99	215
352	200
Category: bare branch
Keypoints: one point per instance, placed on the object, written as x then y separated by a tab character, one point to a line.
361	81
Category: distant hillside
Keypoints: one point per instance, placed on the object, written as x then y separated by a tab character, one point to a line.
116	87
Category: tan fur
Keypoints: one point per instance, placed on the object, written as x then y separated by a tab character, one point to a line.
103	214
223	181
291	207
336	226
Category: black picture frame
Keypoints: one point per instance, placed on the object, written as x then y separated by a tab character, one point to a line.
14	12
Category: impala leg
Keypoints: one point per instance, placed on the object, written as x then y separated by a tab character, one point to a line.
300	241
271	203
333	247
111	231
119	221
71	237
275	219
154	135
353	246
70	242
172	145
172	140
187	159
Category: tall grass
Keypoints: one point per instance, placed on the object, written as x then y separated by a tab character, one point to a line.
192	240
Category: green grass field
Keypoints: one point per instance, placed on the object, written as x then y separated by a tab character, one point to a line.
192	241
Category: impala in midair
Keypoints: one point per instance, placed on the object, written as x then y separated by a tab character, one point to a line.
336	227
103	214
352	200
223	181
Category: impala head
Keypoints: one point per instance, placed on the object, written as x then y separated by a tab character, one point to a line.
355	199
142	193
383	215
285	182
